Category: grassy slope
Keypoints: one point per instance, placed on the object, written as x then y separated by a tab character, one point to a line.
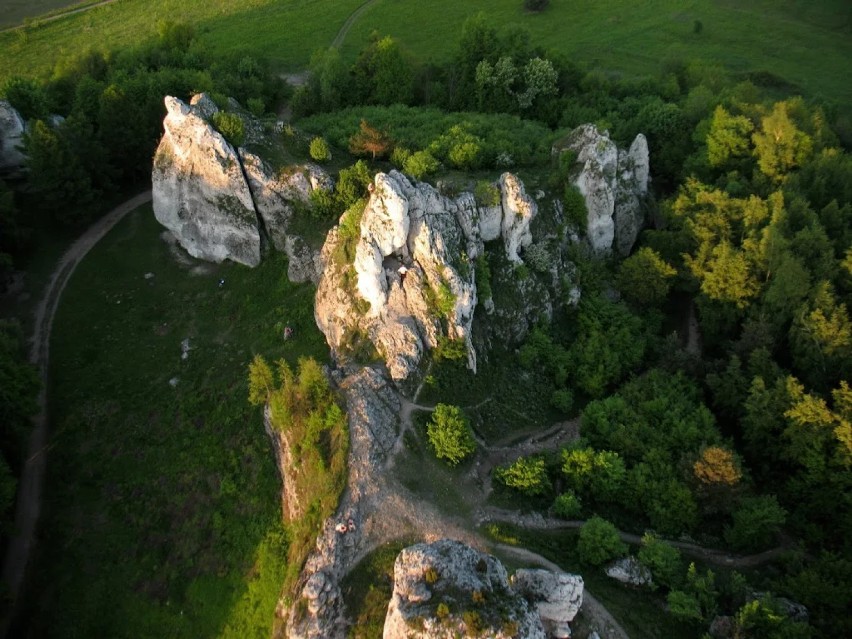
163	501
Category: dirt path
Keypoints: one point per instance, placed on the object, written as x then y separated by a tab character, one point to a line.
599	617
344	30
32	478
710	555
63	14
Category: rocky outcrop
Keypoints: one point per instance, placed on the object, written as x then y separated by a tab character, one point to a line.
407	278
199	191
556	596
613	182
282	447
224	203
318	612
629	571
12	127
447	589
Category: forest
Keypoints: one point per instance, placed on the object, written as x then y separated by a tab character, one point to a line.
739	437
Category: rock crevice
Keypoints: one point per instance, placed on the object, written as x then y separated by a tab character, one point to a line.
225	203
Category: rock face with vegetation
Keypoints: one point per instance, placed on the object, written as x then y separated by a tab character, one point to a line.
400	274
223	202
613	183
317	612
12	128
447	589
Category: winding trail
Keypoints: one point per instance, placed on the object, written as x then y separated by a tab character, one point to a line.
62	14
28	506
353	17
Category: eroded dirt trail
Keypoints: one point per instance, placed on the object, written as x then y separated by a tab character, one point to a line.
30	487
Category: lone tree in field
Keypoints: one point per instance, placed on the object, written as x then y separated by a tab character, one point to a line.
450	434
370	140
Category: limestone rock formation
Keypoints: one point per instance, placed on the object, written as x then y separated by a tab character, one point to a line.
447	589
199	191
557	597
12	127
629	571
318	612
613	182
224	203
407	279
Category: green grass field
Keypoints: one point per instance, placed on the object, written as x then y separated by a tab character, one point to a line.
15	12
163	501
807	44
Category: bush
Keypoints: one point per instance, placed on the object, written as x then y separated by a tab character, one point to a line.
420	164
567	506
526	475
486	193
28	97
562	400
482	276
352	184
399	156
536	5
644	278
575	208
661	559
319	150
599	542
256	106
756	522
465	155
449	434
231	126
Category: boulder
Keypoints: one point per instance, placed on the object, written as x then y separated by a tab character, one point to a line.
409	279
613	183
629	571
446	589
557	598
787	607
199	191
12	127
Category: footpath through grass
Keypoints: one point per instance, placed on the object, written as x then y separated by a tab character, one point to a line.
162	514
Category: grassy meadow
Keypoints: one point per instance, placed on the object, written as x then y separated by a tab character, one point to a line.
16	12
163	500
808	44
803	44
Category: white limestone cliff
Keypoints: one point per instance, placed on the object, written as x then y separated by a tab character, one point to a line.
411	278
224	203
199	191
613	183
462	582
